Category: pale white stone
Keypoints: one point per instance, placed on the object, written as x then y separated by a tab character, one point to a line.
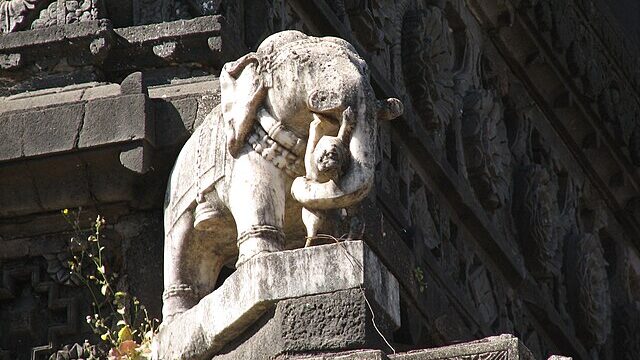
239	185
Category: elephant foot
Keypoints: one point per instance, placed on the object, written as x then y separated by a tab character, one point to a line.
177	299
259	240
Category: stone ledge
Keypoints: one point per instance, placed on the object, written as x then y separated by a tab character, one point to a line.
503	347
260	283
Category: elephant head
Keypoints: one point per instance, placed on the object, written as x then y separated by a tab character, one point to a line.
295	77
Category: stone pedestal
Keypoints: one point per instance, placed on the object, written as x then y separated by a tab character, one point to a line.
306	300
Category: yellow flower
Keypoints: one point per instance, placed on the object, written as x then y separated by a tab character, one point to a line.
65	212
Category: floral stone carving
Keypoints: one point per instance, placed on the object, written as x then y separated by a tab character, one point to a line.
240	183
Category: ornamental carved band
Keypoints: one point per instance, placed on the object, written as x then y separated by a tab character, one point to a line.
292	142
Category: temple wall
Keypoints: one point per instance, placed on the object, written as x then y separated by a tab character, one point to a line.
506	198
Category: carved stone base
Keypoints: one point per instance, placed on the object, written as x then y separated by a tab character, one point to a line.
302	300
502	347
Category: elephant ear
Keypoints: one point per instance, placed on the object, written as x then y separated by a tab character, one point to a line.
242	92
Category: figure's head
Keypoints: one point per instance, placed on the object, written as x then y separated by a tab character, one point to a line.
330	156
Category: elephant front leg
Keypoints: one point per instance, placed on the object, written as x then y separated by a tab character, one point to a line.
257	191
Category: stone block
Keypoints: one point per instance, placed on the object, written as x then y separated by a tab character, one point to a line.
502	347
18	190
117	119
51	130
254	288
13	249
174	118
40	100
101	91
327	322
203	85
11	129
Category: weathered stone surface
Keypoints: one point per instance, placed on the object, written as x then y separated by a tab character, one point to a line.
55	35
262	281
174	119
209	25
343	355
236	171
310	324
101	91
556	74
195	86
10	61
39	132
40	100
134	84
337	320
137	159
117	119
51	131
503	347
11	130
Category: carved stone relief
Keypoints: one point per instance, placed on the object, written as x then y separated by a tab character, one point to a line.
483	294
485	149
626	341
428	61
62	12
243	165
21	14
36	309
14	13
589	289
536	212
586	59
424	228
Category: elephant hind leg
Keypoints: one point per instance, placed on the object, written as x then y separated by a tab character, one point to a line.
191	268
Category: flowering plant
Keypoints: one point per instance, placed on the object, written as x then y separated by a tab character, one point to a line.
119	318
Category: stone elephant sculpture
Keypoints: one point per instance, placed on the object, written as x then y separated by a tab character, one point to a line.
238	184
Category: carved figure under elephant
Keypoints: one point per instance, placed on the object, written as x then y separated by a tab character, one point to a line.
238	185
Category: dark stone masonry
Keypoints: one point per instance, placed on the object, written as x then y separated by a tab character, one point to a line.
507	196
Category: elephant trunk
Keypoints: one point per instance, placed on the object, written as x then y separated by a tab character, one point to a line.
355	183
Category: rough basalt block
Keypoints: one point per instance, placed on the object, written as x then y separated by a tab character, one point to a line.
262	282
313	324
118	119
